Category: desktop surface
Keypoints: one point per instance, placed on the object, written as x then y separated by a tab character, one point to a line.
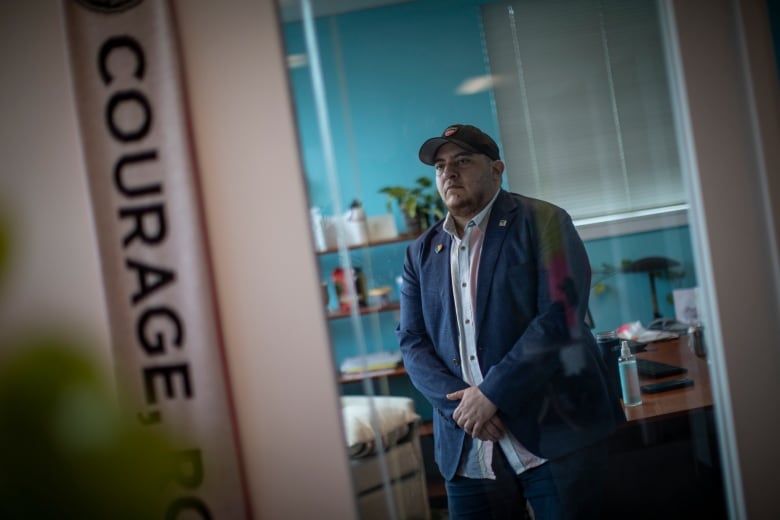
677	354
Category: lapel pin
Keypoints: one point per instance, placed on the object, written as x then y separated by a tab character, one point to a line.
502	223
439	247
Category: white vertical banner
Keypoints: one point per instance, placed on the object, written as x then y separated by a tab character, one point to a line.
144	189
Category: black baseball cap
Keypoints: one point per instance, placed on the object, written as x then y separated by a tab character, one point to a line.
468	137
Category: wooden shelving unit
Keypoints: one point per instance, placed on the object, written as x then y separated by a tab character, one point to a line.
394	306
437	495
426	428
372	374
394	240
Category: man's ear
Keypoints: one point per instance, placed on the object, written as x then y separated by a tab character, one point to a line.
498	167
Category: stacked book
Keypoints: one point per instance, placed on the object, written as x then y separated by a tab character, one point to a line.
372	362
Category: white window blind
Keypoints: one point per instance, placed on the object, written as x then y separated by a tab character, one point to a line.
583	106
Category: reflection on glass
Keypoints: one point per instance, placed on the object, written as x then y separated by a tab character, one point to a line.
575	94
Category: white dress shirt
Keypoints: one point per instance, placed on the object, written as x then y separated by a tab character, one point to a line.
465	254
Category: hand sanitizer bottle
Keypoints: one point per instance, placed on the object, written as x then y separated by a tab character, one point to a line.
629	377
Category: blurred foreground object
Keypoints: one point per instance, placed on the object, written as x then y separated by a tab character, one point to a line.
64	450
5	245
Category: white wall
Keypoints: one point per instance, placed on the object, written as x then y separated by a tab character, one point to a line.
728	92
264	266
276	337
54	277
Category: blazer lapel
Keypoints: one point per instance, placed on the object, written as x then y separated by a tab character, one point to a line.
499	224
437	267
439	260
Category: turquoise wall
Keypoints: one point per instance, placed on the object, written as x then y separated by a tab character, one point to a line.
390	79
626	298
773	8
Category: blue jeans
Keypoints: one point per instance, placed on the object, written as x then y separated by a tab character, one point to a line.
569	487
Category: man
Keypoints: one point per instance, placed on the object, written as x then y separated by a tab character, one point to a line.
492	332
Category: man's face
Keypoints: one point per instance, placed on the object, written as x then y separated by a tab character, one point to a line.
466	181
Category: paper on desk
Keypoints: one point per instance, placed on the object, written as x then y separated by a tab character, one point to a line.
370	362
635	331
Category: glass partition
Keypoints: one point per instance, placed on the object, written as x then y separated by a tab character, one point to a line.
576	95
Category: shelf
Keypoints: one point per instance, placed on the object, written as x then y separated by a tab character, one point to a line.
394	240
426	427
393	306
372	374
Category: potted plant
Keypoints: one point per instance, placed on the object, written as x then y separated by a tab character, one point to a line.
420	204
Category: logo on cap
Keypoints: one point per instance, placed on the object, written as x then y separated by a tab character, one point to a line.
451	130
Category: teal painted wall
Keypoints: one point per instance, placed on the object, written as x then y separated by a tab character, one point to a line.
626	298
390	76
773	9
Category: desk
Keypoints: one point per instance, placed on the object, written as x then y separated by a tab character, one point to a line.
674	352
664	462
682	400
372	374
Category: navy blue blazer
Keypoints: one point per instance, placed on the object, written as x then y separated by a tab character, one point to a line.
540	362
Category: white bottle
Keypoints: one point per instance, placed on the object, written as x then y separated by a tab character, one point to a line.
318	227
629	377
355	225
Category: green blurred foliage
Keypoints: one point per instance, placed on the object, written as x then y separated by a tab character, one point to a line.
65	450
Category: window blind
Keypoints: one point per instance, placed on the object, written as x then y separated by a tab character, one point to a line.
583	105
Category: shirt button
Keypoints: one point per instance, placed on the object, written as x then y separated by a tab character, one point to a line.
463	284
471	358
462	248
468	321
